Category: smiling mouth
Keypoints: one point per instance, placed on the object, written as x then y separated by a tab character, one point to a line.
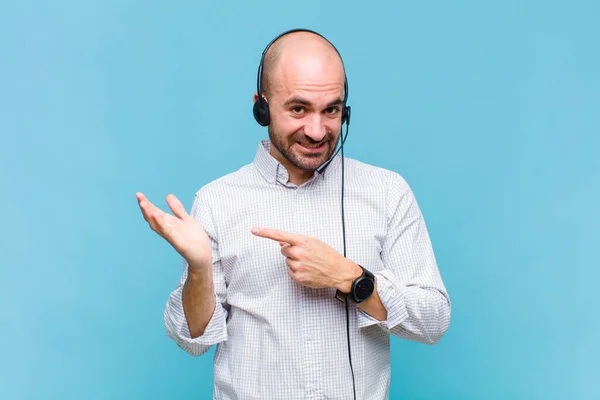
313	148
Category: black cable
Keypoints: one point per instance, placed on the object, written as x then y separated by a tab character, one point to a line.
349	351
344	236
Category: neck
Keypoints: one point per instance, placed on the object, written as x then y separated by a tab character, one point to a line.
295	175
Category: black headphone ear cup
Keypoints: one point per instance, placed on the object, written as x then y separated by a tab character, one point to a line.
261	112
346	114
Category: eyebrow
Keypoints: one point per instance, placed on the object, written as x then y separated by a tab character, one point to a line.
300	100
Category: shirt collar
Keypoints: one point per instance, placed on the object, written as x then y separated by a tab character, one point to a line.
273	171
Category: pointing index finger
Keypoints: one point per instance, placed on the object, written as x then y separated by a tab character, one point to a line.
277	235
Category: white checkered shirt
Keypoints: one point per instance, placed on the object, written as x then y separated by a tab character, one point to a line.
277	339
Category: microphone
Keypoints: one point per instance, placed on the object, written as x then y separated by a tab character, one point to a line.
326	163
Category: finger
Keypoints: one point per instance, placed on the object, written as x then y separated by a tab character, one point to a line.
146	206
152	214
296	276
154	221
141	199
278	235
162	223
177	207
292	274
286	251
293	265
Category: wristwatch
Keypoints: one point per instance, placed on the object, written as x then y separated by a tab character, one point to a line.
362	288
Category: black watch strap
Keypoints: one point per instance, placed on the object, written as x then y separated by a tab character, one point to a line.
366	279
341	296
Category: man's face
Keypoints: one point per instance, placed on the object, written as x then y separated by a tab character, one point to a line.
305	105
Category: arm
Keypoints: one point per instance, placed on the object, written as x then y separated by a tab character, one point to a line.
373	305
198	300
410	287
196	312
410	299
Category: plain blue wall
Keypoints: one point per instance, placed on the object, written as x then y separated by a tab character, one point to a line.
490	110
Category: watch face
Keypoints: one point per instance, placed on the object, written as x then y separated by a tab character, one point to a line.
363	289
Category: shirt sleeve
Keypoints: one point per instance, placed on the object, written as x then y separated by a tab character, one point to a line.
174	318
410	286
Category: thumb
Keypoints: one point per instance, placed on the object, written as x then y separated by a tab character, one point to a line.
177	207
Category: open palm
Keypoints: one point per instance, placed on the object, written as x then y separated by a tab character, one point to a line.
181	230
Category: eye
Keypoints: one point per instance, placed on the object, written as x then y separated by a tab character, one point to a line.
332	110
297	110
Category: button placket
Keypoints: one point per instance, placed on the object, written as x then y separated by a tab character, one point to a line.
310	311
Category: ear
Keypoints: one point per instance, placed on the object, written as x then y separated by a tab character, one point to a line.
255	97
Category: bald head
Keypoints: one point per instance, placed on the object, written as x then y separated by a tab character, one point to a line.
296	51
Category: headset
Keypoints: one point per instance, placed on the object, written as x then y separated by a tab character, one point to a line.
261	115
261	107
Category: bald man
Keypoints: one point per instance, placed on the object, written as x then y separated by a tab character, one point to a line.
265	277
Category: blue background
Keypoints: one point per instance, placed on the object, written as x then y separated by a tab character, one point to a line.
490	110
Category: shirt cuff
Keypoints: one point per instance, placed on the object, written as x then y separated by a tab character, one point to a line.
392	298
215	331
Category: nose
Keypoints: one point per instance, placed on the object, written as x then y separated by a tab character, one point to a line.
315	128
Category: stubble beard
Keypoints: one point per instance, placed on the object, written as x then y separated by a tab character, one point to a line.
304	162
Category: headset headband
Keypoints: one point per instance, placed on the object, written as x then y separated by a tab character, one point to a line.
261	107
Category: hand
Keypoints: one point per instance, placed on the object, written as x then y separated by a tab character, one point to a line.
311	262
182	231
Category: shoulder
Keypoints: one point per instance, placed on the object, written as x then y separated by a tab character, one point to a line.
375	176
226	183
208	197
382	184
